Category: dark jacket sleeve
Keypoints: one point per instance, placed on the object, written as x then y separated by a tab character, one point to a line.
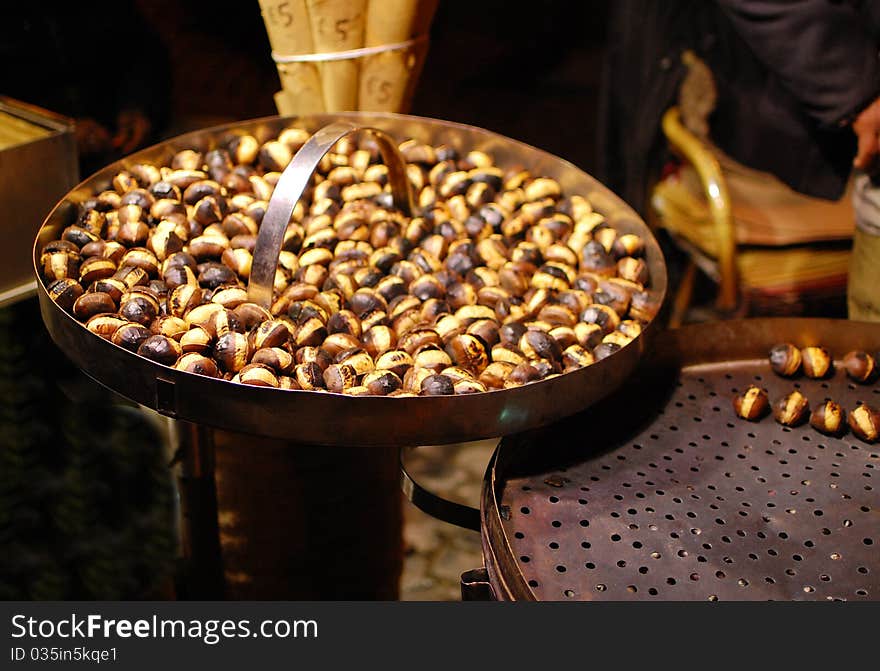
822	51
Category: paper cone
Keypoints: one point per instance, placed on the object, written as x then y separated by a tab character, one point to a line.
388	79
391	21
290	34
302	84
338	25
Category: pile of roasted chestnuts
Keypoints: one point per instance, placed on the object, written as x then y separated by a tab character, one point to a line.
794	409
497	281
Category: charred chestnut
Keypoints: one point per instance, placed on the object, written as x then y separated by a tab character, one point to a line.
258	375
860	366
539	345
828	418
130	336
522	374
273	333
160	349
65	292
92	303
309	376
277	359
785	359
382	382
792	410
865	423
752	404
197	364
468	351
437	385
231	351
396	361
340	376
817	362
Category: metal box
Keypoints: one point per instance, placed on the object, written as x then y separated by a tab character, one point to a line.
38	165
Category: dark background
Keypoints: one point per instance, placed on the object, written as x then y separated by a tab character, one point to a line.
530	71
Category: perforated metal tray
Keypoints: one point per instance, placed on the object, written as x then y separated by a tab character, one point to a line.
660	492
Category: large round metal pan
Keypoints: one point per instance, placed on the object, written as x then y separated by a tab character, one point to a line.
330	419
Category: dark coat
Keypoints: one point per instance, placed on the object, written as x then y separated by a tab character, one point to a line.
791	75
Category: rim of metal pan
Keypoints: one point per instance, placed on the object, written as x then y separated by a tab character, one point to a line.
324	418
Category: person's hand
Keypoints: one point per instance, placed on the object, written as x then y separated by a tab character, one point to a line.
133	128
867	130
92	139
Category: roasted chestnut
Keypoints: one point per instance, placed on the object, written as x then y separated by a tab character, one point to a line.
168	325
231	351
792	410
468	351
339	377
865	422
522	374
196	339
603	316
785	359
605	349
816	362
575	357
272	333
65	292
199	364
130	336
432	358
860	366
258	375
94	269
105	325
309	376
752	404
279	360
160	349
184	298
437	385
92	303
396	361
382	382
358	359
828	418
539	345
